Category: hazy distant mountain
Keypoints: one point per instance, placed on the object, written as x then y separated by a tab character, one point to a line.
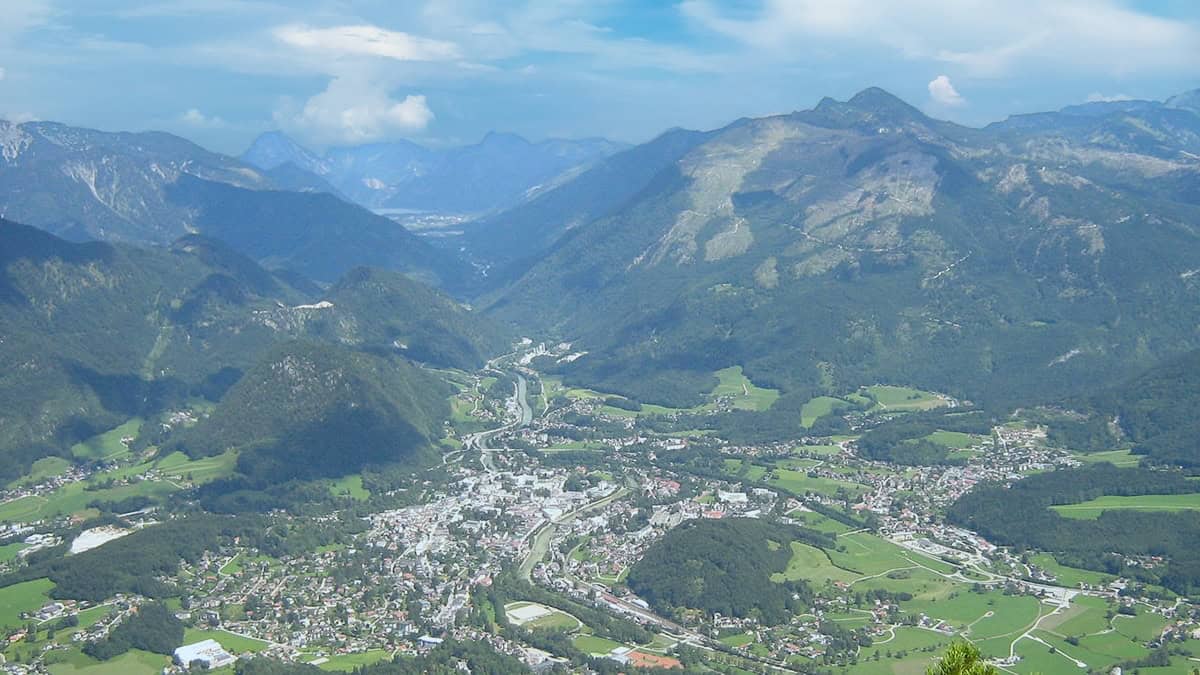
862	241
498	171
154	187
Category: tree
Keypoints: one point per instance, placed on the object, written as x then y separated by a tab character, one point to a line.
962	658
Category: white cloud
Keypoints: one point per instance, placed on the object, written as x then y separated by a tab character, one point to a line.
353	110
2	73
986	38
195	118
942	91
367	40
19	117
1097	97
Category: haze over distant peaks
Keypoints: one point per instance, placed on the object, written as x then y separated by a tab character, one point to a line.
494	173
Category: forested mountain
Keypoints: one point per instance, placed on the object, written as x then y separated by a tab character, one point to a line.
309	410
97	333
1153	412
494	173
862	241
155	187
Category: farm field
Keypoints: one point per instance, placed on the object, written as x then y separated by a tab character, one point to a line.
734	384
348	662
819	407
23	597
133	662
1121	458
108	444
800	483
1091	510
889	397
1070	576
234	644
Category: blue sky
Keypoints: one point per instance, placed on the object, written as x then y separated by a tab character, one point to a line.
446	71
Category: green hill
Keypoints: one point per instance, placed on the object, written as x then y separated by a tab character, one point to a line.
312	410
723	566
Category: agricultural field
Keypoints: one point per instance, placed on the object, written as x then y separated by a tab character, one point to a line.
42	469
345	663
74	498
108	444
734	384
892	398
813	565
819	407
1070	576
1090	510
23	597
1120	458
800	483
234	644
133	662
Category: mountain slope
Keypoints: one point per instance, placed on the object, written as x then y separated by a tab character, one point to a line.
95	333
310	410
496	172
154	187
861	242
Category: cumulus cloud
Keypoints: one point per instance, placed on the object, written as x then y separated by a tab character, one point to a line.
366	40
195	118
353	110
942	91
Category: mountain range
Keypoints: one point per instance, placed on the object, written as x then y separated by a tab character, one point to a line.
863	242
97	333
499	171
858	242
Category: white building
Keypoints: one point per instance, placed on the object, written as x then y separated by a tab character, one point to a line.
208	652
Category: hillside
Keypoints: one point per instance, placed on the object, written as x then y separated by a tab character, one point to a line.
308	410
1152	411
864	242
96	334
151	188
494	173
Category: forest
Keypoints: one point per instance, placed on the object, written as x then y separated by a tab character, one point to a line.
725	566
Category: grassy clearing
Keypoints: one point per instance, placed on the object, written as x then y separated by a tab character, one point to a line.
819	407
801	483
348	662
868	554
234	644
108	444
953	439
734	384
590	644
903	398
1091	510
819	522
738	640
1070	576
23	597
812	564
1123	458
199	471
133	662
9	551
74	498
42	469
350	486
